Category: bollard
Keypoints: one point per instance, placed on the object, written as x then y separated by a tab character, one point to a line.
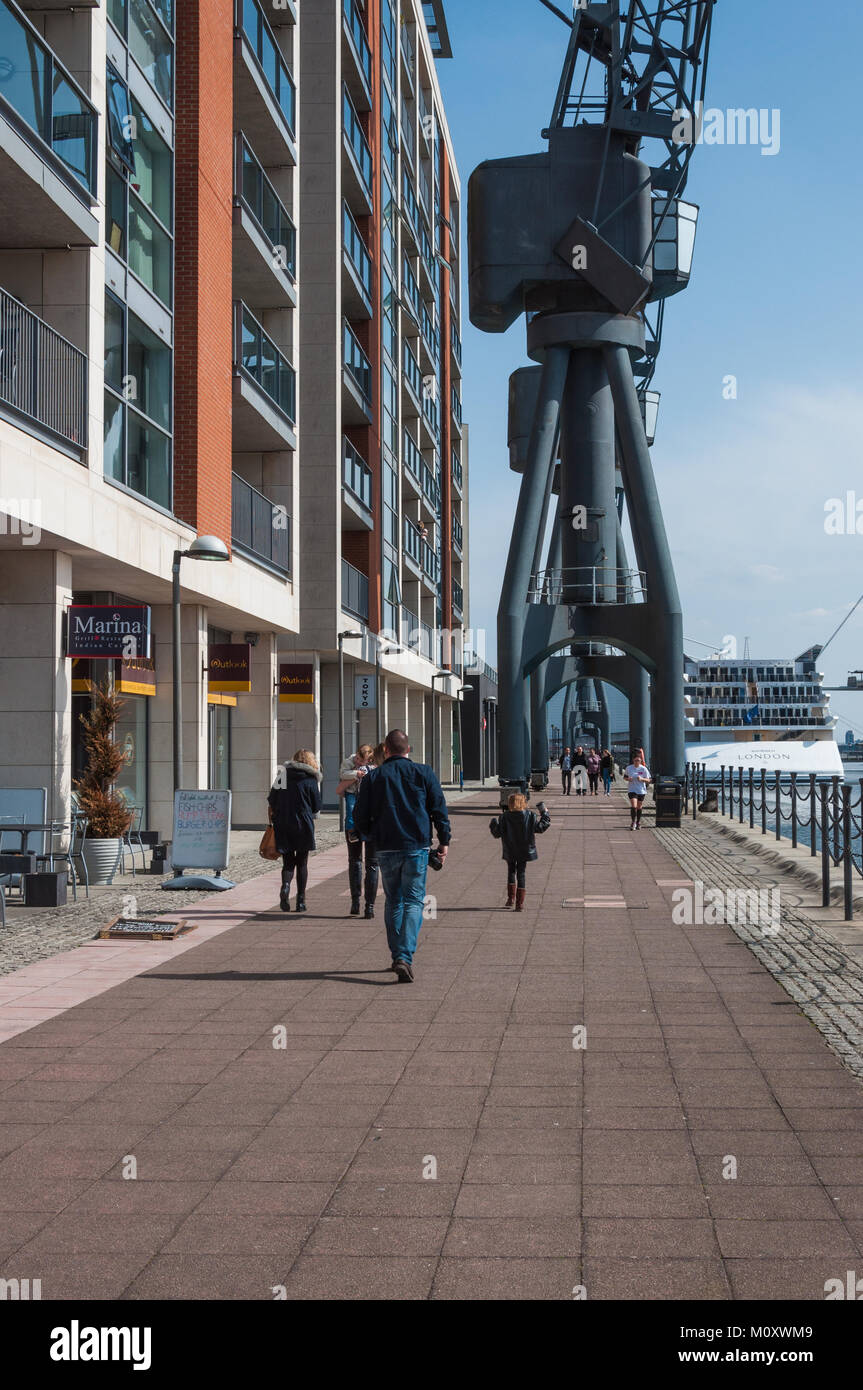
778	807
825	851
848	861
694	791
722	784
835	810
794	810
813	826
763	801
740	795
751	801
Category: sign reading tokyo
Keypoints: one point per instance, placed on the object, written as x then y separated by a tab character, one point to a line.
109	632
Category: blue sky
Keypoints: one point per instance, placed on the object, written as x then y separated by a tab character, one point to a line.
774	301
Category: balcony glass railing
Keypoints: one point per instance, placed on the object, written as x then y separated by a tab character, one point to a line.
413	542
414	460
432	414
42	376
430	487
412	291
457	597
257	195
456	343
357	475
457	532
410	206
258	358
355	592
457	471
456	406
260	526
357	141
429	332
255	29
357	31
355	249
357	364
45	101
412	372
430	562
429	258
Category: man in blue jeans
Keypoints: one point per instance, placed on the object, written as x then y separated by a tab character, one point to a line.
397	806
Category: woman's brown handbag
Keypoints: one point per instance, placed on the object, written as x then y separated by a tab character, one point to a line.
267	848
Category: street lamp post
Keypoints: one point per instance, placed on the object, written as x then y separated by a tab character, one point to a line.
438	676
203	548
342	638
379	652
461	695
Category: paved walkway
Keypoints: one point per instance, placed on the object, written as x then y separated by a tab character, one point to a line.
443	1139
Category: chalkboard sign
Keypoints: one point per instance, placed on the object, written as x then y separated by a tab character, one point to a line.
202	830
144	929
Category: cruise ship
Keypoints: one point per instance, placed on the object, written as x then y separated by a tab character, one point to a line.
753	700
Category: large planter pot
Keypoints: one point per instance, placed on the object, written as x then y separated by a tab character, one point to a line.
102	858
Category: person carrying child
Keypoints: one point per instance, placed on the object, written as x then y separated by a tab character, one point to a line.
517	828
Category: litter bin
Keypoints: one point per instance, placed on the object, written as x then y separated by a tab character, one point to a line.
669	803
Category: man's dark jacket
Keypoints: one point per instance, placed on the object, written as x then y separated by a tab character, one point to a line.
517	830
397	805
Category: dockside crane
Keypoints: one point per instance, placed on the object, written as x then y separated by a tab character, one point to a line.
588	239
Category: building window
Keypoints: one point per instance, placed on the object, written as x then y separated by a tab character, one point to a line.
147	26
139	193
138	445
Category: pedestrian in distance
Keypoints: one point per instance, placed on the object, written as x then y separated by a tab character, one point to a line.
294	805
397	806
517	828
639	779
593	766
606	766
360	880
579	767
564	762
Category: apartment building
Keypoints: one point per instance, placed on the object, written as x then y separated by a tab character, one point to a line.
149	296
383	544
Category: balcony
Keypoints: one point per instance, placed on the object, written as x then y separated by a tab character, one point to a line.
410	210
358	165
413	543
265	389
265	97
430	338
409	62
413	380
431	417
431	490
265	238
428	264
355	592
356	379
357	283
43	378
48	144
430	565
356	56
457	599
457	473
412	292
457	535
455	345
455	400
357	491
414	464
260	529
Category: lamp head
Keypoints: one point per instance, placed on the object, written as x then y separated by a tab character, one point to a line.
208	548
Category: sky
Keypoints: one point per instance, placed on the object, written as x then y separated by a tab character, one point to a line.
774	302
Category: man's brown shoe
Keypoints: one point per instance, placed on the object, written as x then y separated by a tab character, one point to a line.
519	900
404	972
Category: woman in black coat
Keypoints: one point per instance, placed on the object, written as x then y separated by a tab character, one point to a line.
518	828
295	801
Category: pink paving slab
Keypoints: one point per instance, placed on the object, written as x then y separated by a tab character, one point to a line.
46	988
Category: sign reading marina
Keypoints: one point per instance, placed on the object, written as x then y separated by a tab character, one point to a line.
108	631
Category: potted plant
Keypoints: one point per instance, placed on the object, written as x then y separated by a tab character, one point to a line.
108	817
